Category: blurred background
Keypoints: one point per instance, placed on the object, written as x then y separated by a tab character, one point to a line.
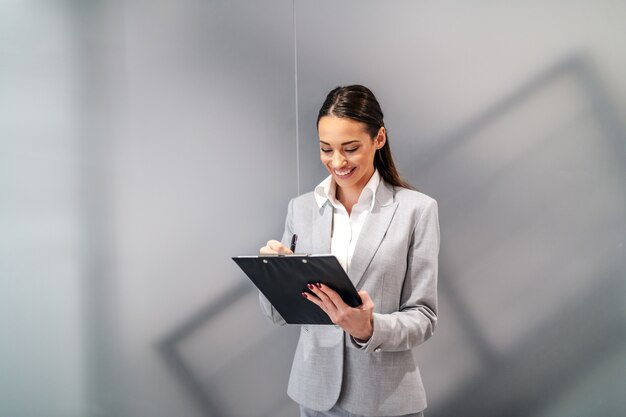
144	143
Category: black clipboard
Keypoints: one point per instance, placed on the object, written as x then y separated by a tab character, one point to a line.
283	278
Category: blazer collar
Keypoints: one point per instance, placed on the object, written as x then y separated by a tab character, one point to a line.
372	234
322	226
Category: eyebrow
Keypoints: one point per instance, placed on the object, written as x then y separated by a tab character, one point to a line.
345	143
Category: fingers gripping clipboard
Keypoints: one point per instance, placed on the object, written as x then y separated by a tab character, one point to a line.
283	278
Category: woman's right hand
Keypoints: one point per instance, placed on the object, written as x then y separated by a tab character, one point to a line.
274	247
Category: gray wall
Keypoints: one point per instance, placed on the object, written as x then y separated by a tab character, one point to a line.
143	143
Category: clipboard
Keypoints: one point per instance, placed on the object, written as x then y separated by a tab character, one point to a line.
283	278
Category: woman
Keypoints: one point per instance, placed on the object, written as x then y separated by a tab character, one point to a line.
386	237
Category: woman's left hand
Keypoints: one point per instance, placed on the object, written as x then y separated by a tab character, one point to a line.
358	321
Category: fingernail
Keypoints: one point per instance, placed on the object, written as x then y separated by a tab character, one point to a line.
318	285
310	286
304	295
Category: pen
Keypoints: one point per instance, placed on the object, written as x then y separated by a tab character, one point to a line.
294	239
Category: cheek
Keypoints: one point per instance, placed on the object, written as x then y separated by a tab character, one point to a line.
360	159
369	157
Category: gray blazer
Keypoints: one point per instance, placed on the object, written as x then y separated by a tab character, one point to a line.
395	261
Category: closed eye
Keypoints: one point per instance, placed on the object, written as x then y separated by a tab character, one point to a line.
350	150
326	150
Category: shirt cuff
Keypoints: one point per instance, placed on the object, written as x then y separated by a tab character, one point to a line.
367	345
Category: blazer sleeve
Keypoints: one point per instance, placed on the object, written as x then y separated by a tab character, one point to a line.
416	319
266	306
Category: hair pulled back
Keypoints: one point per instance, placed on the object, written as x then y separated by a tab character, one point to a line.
358	103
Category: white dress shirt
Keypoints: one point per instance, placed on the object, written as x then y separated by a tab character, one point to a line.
346	227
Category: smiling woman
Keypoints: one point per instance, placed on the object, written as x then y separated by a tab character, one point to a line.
357	103
386	237
347	151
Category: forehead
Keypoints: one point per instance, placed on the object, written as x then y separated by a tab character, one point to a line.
333	129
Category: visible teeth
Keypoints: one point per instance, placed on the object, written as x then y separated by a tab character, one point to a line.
342	173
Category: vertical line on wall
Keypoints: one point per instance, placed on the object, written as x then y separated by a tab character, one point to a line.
295	59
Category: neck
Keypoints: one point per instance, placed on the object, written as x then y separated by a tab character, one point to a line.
348	197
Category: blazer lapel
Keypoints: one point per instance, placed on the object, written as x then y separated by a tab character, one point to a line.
373	232
322	223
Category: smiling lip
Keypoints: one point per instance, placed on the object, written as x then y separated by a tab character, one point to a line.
343	173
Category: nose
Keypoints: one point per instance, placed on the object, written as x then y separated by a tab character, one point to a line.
338	160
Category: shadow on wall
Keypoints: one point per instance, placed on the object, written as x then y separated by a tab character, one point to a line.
532	198
532	265
233	370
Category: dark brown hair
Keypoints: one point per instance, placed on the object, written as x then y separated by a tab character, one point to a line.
358	103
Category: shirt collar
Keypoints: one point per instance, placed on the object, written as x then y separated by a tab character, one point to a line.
326	191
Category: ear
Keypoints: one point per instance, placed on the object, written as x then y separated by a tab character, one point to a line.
381	138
